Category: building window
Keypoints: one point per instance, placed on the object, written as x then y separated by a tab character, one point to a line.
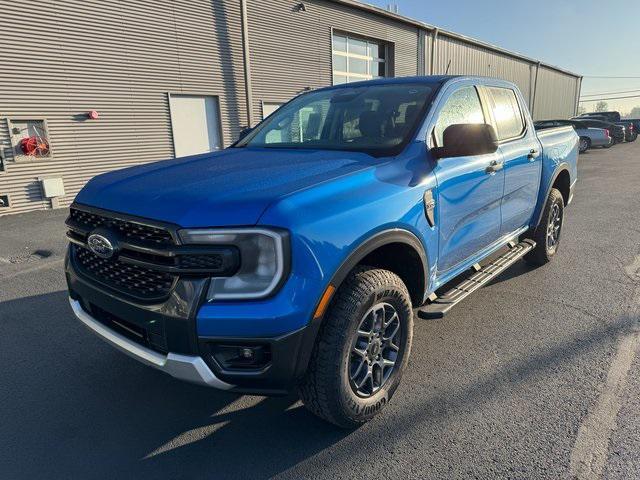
356	59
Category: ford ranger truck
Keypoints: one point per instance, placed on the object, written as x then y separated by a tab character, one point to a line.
296	259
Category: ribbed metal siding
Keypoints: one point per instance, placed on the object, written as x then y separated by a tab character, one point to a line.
291	50
555	95
120	58
470	59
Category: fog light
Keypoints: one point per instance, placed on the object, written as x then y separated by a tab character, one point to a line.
241	357
247	353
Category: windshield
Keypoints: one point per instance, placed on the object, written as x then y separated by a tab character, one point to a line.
376	119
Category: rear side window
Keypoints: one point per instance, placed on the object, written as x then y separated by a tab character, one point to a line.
463	106
506	111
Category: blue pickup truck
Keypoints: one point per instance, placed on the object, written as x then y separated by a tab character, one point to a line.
298	258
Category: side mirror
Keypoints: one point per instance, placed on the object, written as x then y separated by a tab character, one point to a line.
467	139
244	132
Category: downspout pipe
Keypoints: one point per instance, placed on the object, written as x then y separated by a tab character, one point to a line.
578	91
247	62
535	91
433	51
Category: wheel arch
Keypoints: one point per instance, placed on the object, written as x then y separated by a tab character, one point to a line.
562	182
561	179
396	250
370	249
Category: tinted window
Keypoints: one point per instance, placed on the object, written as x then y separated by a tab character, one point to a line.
506	111
370	118
463	106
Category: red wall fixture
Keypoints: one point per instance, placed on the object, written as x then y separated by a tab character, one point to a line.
34	146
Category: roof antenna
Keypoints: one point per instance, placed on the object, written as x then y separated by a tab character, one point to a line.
448	65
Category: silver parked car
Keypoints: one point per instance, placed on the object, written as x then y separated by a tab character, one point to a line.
589	136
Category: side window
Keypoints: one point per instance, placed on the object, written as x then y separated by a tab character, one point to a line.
506	111
463	106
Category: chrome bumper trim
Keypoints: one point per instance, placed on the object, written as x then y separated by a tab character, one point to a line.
184	367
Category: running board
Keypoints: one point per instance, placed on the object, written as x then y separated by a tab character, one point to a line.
439	306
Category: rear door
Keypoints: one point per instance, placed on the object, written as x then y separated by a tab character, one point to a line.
520	155
469	195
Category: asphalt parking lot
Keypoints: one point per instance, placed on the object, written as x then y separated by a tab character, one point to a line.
535	376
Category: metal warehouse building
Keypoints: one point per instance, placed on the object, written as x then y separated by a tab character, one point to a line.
97	85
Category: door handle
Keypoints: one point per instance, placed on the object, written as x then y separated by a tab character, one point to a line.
494	166
533	154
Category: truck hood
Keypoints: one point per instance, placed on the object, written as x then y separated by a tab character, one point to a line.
229	188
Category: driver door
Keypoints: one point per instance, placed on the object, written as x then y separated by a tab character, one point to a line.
469	193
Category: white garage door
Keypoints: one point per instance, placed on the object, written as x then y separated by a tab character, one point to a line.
195	122
269	107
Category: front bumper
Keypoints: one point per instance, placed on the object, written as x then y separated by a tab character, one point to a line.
184	367
165	336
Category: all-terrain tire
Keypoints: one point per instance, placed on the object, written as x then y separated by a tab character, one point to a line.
545	248
327	389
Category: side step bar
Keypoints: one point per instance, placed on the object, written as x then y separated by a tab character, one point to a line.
440	305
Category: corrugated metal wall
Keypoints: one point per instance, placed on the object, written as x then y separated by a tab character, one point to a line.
556	94
291	50
469	59
120	58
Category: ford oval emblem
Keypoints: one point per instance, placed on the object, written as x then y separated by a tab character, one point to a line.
101	245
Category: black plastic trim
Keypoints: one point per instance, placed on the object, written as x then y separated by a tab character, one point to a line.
230	253
378	240
278	377
561	168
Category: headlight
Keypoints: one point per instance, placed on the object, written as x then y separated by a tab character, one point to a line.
262	263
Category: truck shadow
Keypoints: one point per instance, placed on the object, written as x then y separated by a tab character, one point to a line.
73	407
514	271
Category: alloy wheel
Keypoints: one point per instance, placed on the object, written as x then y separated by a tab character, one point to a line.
554	227
375	349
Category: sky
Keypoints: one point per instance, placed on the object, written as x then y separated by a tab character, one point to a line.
588	37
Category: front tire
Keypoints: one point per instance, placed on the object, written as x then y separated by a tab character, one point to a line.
362	349
547	233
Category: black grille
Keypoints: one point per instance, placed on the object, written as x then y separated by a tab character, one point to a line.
132	280
129	230
211	263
